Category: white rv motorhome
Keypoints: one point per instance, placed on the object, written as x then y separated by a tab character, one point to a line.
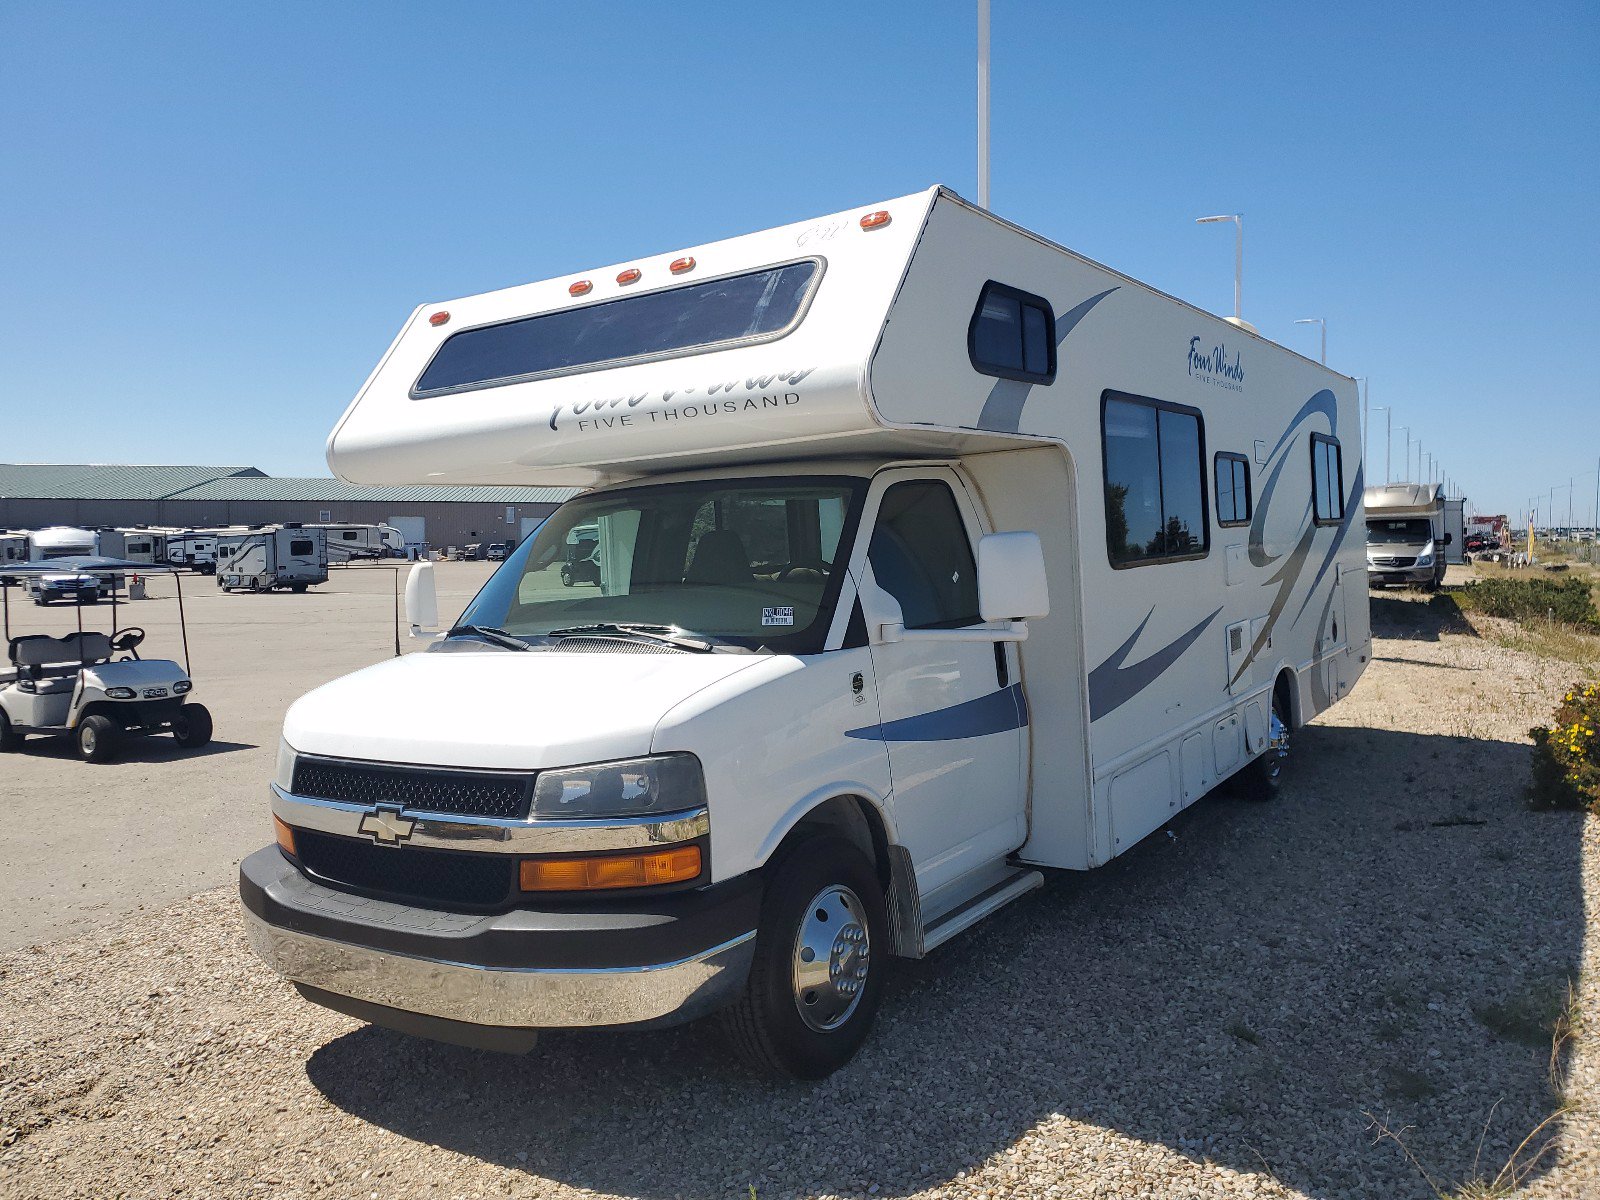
927	554
197	548
1406	535
13	545
62	541
272	558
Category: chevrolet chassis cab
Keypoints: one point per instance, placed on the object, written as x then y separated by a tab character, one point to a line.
919	554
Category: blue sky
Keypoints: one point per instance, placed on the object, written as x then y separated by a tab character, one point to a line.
214	217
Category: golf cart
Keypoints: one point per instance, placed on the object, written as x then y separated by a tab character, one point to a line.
77	685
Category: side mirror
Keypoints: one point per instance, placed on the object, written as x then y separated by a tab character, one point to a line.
1011	577
422	600
1448	538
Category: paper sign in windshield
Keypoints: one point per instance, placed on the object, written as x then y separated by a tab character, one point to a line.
777	616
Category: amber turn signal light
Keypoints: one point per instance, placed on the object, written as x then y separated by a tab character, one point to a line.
875	220
631	275
439	318
586	874
284	836
680	265
582	288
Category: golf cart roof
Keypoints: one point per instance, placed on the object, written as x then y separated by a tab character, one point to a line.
83	564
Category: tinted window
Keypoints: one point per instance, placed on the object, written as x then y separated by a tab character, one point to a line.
300	547
758	306
1155	489
921	556
1012	335
1327	479
1233	489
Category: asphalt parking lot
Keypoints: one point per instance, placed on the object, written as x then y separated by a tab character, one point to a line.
86	843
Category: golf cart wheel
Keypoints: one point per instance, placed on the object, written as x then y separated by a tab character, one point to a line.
566	576
1262	778
10	739
298	588
817	977
191	728
97	739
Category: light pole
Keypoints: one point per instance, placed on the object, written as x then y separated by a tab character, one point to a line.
1238	257
1322	321
1388	436
1366	413
983	104
1406	429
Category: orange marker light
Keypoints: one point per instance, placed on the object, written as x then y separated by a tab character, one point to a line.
680	265
875	220
582	288
284	836
631	275
439	318
610	871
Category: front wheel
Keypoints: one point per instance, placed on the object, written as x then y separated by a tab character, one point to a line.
819	963
566	576
1262	779
192	726
10	739
97	739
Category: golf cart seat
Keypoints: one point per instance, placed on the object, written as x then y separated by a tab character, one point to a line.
40	650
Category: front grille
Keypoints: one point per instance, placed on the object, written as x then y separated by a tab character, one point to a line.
407	874
422	789
1394	562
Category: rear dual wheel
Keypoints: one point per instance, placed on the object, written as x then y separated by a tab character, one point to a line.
820	957
1263	778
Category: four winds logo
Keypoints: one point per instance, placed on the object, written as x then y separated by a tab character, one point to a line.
1213	366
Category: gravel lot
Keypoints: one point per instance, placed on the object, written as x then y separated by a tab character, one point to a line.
1221	1012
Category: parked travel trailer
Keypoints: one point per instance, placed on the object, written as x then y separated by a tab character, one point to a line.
272	558
1455	531
1406	535
347	542
13	545
62	541
929	554
196	548
134	545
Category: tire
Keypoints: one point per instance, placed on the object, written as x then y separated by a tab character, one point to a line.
298	588
1263	778
97	739
786	1024
566	576
10	739
192	727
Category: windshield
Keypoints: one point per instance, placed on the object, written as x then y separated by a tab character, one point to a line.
747	563
1412	532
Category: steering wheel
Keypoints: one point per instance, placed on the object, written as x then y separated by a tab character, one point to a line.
804	565
127	639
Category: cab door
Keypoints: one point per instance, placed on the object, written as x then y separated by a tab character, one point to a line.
951	714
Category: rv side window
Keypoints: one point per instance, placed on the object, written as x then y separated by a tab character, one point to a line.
740	310
300	547
1155	481
921	555
1012	335
1327	480
1233	489
348	535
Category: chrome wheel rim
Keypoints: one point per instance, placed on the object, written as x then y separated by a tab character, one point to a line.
832	958
1277	747
88	739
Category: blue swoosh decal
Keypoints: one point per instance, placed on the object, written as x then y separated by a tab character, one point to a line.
1002	411
998	712
1111	685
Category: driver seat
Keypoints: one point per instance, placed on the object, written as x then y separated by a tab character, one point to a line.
720	557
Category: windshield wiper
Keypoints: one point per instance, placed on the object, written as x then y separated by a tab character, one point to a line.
487	633
666	634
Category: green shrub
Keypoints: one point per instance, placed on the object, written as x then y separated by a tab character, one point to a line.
1533	599
1566	754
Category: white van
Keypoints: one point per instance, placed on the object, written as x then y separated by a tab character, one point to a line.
927	554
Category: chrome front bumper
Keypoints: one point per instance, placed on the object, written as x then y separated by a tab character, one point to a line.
663	960
526	998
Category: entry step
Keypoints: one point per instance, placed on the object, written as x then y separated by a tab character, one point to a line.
1017	881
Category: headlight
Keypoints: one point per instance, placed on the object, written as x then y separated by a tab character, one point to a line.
1425	559
121	693
284	775
634	787
182	686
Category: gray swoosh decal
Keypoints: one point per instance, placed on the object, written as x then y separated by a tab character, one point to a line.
1287	576
1002	411
1333	548
1324	402
1111	685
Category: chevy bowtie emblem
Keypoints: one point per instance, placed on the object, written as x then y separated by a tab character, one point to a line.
386	825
